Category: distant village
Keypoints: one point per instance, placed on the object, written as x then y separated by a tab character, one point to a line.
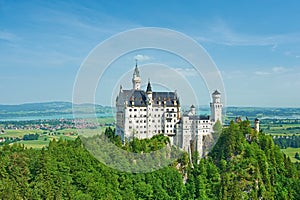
49	126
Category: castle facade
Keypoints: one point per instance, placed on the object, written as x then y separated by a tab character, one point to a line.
145	113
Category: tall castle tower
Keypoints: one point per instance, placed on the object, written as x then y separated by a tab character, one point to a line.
136	79
216	107
256	124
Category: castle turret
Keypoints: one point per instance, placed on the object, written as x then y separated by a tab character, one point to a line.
256	124
149	91
216	107
136	79
149	109
192	111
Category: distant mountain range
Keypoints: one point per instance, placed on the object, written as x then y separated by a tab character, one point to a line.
47	109
59	109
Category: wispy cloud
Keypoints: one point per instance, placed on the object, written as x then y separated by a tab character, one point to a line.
220	32
291	54
279	69
274	70
8	36
233	74
142	58
187	71
261	73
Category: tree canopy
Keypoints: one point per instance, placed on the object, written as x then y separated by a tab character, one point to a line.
243	164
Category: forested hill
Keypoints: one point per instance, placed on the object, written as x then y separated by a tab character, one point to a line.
242	165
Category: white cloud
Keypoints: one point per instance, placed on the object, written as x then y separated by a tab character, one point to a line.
187	71
4	35
289	53
236	74
279	69
221	33
262	73
274	70
141	58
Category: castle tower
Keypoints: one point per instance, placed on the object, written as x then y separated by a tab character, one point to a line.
256	125
136	79
149	109
149	91
216	107
192	110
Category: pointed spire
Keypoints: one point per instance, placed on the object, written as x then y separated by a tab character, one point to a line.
216	92
149	89
136	70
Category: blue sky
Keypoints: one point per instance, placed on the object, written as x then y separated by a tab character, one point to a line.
255	45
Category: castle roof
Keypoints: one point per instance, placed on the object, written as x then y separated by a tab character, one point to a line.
149	89
139	98
216	92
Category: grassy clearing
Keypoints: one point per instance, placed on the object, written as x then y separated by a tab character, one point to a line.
19	133
291	153
35	144
90	132
106	120
43	141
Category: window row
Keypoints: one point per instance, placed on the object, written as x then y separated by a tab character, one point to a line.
144	121
153	109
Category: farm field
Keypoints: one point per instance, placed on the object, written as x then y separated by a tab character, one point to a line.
16	135
291	153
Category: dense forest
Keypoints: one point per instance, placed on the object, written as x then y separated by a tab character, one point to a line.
243	164
287	141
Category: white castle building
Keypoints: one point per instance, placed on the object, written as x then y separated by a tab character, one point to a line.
143	114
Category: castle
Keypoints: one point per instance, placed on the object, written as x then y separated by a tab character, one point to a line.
143	114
